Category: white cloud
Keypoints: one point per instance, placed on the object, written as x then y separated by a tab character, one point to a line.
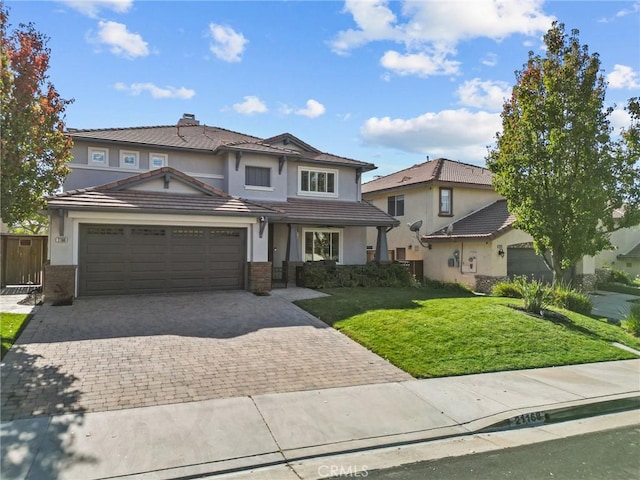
620	118
121	41
155	91
622	13
457	134
429	28
490	60
483	94
312	110
623	77
448	22
250	106
227	44
420	64
375	21
91	8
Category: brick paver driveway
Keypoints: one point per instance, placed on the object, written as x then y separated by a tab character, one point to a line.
106	353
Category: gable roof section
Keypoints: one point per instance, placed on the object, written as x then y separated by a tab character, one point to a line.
634	253
441	170
118	196
332	213
211	139
487	223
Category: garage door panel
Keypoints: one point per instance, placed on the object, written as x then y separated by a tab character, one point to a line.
155	259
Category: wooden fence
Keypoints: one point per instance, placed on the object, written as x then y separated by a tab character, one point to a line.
23	257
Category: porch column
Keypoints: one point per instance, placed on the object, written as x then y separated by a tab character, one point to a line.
382	250
293	250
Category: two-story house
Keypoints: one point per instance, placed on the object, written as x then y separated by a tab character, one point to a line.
467	234
191	207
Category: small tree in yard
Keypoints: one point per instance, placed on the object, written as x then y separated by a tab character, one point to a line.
555	162
34	148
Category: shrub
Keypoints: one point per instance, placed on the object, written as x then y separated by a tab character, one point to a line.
370	275
632	321
565	296
535	294
617	276
506	289
572	300
451	286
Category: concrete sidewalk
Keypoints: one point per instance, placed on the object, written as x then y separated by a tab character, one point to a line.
237	434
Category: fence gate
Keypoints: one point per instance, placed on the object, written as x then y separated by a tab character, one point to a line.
23	257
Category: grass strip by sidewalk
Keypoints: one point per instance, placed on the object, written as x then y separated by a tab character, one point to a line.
433	333
11	324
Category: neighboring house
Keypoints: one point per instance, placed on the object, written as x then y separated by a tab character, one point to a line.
467	234
626	253
192	207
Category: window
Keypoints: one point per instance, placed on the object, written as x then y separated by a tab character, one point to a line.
395	205
321	245
128	159
318	182
98	157
257	176
446	201
157	160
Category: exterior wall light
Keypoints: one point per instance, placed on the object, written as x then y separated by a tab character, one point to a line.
501	251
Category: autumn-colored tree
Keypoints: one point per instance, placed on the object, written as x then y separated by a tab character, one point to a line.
34	148
555	161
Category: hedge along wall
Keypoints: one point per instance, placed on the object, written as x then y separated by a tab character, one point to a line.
370	275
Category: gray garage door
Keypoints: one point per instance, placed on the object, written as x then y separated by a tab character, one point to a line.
125	259
525	261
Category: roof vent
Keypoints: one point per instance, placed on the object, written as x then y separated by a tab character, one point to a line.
188	119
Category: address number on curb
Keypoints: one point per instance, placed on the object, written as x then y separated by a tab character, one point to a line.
534	418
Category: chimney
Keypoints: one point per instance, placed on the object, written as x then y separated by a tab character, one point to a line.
188	119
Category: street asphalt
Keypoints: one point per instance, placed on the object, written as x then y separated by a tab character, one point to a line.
281	432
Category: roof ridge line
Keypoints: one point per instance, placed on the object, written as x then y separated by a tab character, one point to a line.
403	170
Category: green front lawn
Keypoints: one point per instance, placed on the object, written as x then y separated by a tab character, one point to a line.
11	325
435	333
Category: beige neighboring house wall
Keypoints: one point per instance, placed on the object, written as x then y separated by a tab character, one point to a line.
625	240
463	247
420	185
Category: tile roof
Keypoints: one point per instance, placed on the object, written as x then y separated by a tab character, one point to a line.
119	196
331	212
211	139
631	254
440	170
115	195
488	222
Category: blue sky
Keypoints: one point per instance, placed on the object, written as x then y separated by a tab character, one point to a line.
384	82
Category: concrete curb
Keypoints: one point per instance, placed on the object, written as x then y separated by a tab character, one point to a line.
501	422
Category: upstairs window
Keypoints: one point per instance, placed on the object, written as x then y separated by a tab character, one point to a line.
446	202
98	157
318	182
157	160
395	205
257	176
128	159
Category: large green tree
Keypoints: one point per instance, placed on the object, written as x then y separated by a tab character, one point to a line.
34	148
555	162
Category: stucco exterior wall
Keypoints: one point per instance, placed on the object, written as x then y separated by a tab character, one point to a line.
236	178
206	167
423	203
624	239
